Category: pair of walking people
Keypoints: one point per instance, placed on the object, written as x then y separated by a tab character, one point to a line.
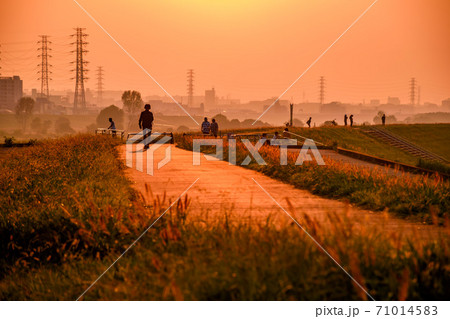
210	128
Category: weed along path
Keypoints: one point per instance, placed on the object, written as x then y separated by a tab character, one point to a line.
226	190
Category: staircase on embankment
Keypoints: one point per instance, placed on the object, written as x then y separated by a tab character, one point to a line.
404	145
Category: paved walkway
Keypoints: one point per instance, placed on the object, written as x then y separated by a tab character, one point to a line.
226	189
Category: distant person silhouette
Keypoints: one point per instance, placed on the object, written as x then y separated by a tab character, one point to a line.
345	119
214	127
146	123
351	120
206	127
286	132
309	122
383	119
112	126
274	138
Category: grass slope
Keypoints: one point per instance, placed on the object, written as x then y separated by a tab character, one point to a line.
351	138
432	137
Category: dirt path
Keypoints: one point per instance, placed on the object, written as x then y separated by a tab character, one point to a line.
222	188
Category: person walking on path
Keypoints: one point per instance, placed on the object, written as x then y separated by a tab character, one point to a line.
383	119
112	127
146	123
345	119
214	127
309	122
206	127
351	120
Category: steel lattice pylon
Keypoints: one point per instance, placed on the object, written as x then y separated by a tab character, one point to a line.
79	102
44	72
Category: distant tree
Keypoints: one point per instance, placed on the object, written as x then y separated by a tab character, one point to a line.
220	118
132	101
91	127
297	123
390	119
182	129
24	109
45	126
234	123
62	126
111	111
36	125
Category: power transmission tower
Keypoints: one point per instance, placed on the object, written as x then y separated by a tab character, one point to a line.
44	72
412	91
322	90
190	87
99	85
79	101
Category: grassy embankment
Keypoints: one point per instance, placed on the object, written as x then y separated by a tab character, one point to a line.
67	212
405	195
433	137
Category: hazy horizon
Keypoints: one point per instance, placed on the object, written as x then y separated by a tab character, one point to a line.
247	50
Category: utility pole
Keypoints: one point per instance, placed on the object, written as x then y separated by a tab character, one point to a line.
0	59
322	90
190	87
44	65
99	85
79	101
291	111
412	91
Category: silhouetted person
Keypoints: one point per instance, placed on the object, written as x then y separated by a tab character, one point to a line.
333	122
275	137
264	137
309	122
351	120
286	132
112	126
214	127
345	119
206	127
383	119
146	123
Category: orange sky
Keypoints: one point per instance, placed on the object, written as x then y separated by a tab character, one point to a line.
248	49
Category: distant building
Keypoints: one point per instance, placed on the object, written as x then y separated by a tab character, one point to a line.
210	98
446	103
332	108
375	102
393	100
11	91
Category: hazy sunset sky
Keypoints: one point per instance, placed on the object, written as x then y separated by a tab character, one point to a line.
247	49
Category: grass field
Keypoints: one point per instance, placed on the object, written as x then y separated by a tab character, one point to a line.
67	212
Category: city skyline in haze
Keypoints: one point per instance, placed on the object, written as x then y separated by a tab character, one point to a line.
249	50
